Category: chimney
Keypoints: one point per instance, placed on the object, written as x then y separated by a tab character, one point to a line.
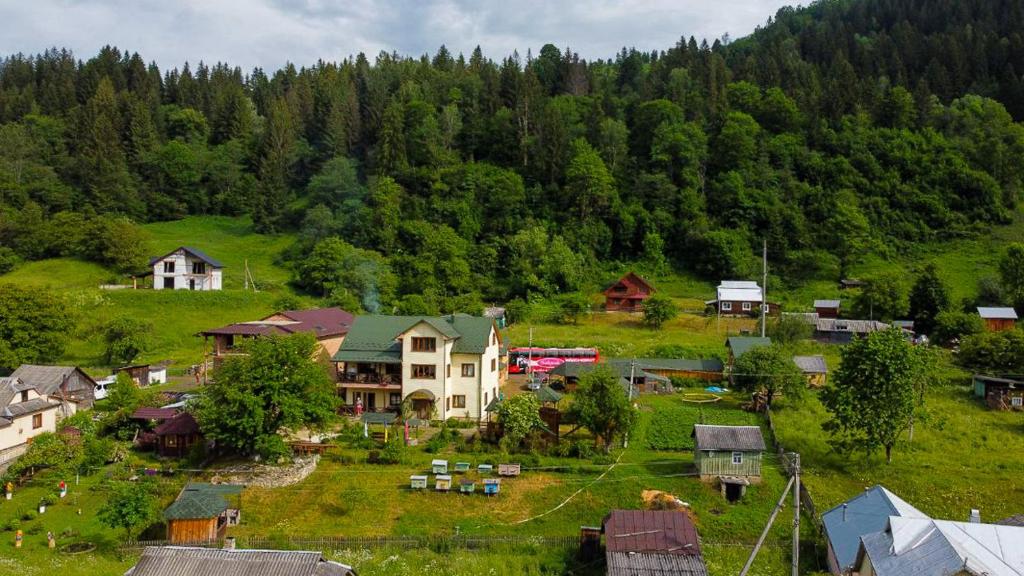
844	511
975	517
229	543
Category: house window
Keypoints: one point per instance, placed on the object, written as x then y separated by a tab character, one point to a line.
737	457
468	370
458	401
485	398
448	371
494	339
199	267
726	306
172	440
24	395
421	344
447	404
424	371
494	364
746	306
37	421
1017	401
767	308
168	267
395	398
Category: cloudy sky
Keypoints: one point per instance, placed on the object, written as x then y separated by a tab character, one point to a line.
268	33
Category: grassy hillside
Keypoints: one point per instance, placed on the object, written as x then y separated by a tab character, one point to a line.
176	316
230	240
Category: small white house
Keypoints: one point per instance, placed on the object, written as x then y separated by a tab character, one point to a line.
24	414
186	269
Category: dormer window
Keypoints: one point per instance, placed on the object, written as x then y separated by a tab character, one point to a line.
24	395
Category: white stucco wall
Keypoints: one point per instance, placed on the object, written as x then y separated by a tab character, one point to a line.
212	280
20	431
440	385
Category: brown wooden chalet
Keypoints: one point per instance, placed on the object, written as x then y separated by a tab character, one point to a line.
176	436
202	512
998	319
627	294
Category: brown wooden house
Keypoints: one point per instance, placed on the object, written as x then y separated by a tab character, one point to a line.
827	308
202	512
998	319
627	294
176	436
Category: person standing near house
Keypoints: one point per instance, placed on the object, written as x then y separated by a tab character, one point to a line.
359	406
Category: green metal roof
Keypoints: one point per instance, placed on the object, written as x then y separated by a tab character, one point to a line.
740	345
546	394
385	418
374	338
198	500
369	356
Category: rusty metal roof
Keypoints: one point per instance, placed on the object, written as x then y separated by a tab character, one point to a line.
662	531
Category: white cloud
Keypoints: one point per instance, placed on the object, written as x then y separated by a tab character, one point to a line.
269	33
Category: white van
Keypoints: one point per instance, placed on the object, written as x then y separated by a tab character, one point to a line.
103	386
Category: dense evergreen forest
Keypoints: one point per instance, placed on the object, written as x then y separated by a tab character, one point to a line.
849	127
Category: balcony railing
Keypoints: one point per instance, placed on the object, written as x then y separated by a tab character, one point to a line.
382	380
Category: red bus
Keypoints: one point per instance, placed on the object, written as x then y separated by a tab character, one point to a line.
544	359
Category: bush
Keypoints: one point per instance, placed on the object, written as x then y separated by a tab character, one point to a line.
9	260
951	326
97	452
393	452
271	447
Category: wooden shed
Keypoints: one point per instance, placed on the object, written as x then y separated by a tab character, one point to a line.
202	512
732	451
998	319
827	308
176	436
652	543
999	393
814	369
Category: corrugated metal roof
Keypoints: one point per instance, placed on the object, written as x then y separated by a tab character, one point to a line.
912	546
188	561
865	513
811	364
854	326
1001	313
664	531
182	424
739	294
745	438
680	364
826	303
740	345
147	413
738	284
650	564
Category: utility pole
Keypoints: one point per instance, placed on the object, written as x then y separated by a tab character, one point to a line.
632	373
764	286
764	533
796	515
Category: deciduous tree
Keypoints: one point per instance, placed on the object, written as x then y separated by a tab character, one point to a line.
603	407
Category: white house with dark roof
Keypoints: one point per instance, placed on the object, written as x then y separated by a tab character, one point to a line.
24	414
186	268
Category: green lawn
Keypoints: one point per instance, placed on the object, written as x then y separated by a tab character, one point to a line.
961	458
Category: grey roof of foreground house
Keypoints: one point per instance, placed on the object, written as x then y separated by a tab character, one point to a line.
740	438
865	513
189	561
923	546
1000	313
826	303
374	338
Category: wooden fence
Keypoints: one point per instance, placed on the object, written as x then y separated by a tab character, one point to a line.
403	542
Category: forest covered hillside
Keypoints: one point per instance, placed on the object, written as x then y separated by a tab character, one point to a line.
847	130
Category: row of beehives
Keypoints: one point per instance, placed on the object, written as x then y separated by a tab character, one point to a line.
443	481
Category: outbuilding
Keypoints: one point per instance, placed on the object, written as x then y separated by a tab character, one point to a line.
814	369
827	308
999	393
652	543
998	319
730	454
627	294
202	512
